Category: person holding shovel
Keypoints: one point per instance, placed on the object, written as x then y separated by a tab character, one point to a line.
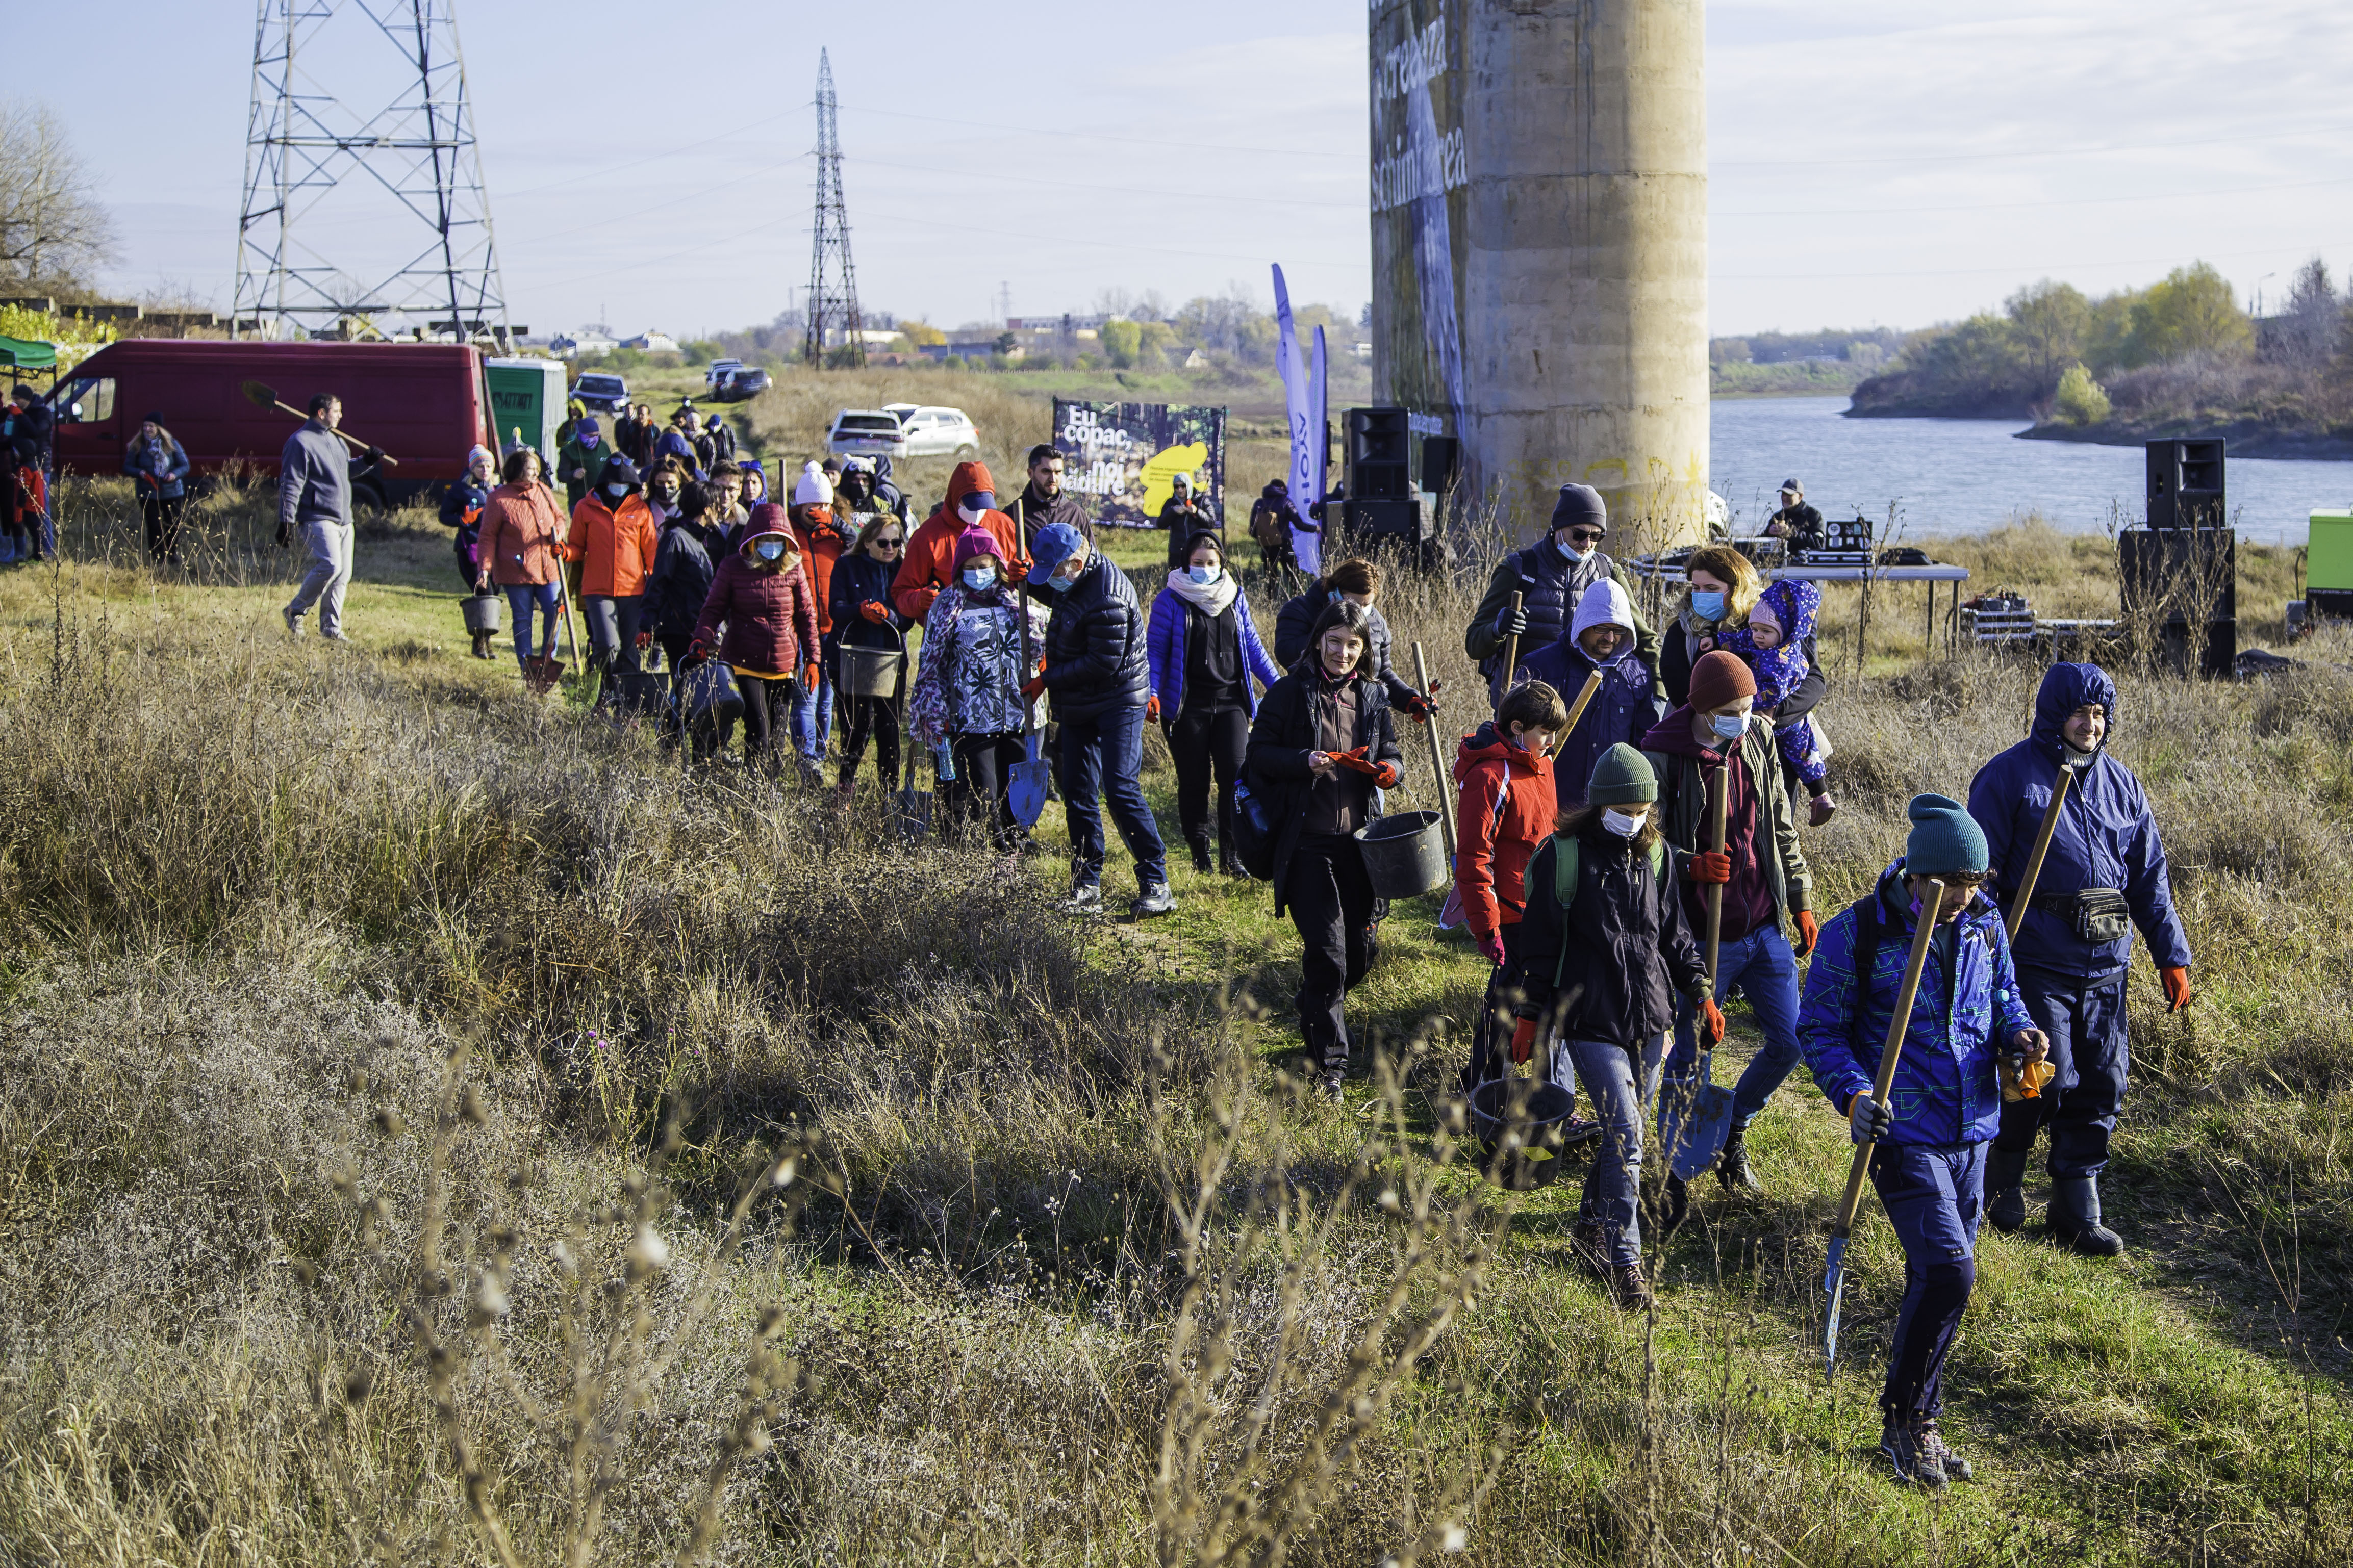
1204	650
969	687
822	538
1599	642
1358	581
314	497
1324	740
1504	806
1601	957
158	466
523	544
2104	873
762	599
1550	577
1931	1132
1714	742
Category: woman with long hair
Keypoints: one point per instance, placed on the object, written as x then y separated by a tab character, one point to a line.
523	538
1720	587
1324	740
1204	650
863	616
158	466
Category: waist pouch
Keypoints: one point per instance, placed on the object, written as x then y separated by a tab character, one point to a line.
2099	915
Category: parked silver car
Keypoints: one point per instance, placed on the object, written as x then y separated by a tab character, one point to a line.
937	432
866	433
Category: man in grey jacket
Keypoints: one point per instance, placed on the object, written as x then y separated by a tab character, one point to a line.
314	494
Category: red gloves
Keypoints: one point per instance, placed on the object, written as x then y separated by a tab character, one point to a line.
1385	775
1036	685
1711	1022
1492	944
697	651
875	610
1151	710
645	639
1711	866
1355	759
1418	705
809	678
1809	933
1524	1041
2176	980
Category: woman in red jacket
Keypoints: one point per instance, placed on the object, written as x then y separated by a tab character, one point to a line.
1505	807
762	599
522	545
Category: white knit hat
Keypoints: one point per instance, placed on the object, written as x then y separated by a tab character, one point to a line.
1605	603
812	489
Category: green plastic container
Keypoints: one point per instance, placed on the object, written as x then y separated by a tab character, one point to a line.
2329	563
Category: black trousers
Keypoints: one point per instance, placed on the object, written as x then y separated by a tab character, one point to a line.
1331	902
768	719
862	717
1208	741
1490	1041
984	766
162	515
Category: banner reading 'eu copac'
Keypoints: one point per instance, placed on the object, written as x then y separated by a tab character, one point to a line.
1123	458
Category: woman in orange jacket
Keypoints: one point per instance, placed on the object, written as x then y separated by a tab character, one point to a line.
1505	807
523	550
614	539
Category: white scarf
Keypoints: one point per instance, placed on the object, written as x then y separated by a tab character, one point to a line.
1211	598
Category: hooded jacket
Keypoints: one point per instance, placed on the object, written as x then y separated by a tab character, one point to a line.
821	541
1177	623
769	616
1549	584
1297	619
1623	706
522	534
1683	764
1630	947
1504	808
615	544
929	564
1095	658
461	509
2107	837
576	453
1945	1089
1280	740
683	568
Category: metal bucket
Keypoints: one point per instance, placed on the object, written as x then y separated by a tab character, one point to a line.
869	671
1403	855
481	612
1522	1123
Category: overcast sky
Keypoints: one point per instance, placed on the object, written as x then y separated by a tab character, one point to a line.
1871	165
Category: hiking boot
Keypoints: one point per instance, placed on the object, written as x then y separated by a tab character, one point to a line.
1732	1167
2005	1191
1932	1446
1085	901
1589	1243
481	645
1628	1289
1201	861
1155	900
1670	1206
1824	808
293	621
1327	1084
2075	1218
1231	862
1576	1131
1901	1446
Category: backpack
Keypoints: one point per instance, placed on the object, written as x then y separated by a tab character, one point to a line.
1565	864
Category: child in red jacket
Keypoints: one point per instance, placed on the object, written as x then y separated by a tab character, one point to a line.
1505	807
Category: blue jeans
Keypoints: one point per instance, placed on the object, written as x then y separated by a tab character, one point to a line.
1613	1187
1105	755
1767	971
813	714
2085	1021
521	598
1935	1197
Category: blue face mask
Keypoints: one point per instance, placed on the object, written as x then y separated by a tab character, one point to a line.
1204	575
1059	584
769	550
1708	605
1730	727
981	580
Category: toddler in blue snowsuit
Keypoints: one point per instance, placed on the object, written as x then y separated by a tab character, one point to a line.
1773	646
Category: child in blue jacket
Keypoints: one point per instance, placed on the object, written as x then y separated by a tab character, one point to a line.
1944	1105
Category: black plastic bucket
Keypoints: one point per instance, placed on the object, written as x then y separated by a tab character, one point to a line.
1522	1123
1404	857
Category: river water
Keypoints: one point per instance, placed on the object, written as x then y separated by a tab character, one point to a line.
1950	477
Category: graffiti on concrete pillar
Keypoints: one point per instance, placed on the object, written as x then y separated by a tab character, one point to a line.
1421	178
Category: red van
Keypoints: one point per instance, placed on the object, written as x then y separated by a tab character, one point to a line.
422	403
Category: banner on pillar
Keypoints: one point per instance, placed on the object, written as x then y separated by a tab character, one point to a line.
1121	459
1421	180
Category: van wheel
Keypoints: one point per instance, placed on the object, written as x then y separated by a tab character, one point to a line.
966	453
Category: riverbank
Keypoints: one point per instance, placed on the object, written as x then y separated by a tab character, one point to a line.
2247	437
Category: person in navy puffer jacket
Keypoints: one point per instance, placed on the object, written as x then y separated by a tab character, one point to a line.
1943	1103
1600	637
2106	868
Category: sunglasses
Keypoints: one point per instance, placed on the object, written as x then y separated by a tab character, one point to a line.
1585	535
889	544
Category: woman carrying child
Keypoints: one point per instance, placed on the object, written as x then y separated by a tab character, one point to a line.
1773	646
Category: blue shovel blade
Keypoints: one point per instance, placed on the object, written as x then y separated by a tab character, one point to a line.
1025	792
1834	1287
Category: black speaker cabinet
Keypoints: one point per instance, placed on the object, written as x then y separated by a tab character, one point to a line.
2185	483
2178	573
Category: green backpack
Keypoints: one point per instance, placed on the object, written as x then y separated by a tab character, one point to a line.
1565	868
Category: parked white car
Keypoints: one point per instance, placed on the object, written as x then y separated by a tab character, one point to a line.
937	432
718	372
866	433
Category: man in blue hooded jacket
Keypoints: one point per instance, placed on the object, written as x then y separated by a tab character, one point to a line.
2104	874
1943	1103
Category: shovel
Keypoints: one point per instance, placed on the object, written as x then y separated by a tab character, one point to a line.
1694	1126
911	808
1511	650
1437	765
1027	787
1834	1272
261	396
2025	899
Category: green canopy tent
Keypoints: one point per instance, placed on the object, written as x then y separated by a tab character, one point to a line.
29	354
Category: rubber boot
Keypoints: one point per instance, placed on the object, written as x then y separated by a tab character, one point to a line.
2075	1218
2006	1189
1201	861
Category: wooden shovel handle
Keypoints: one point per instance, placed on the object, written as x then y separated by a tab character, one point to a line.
1897	1025
1577	708
1437	762
2025	895
1512	646
1719	806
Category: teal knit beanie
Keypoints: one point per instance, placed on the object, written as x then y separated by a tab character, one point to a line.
1620	775
1944	838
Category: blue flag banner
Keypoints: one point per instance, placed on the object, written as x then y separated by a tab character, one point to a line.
1306	421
